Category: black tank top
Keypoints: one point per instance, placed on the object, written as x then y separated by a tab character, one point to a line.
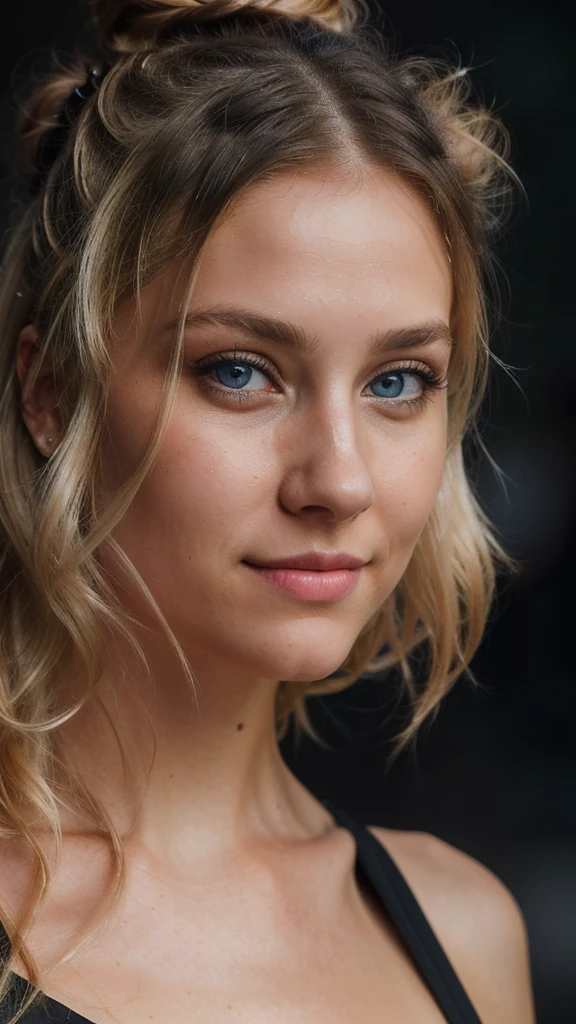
398	901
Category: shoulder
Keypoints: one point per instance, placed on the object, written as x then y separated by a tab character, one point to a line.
78	885
476	919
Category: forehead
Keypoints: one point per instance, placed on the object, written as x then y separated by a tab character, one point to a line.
341	255
331	240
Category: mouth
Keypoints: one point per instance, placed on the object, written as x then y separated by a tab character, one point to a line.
309	584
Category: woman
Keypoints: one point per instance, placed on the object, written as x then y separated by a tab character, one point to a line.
244	335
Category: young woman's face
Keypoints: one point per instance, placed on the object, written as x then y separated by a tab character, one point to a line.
306	420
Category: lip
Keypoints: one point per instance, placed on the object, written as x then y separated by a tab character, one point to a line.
316	561
309	584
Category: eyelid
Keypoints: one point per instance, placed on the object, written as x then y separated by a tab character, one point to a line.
403	364
232	354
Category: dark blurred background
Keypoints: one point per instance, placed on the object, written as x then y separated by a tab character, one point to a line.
495	773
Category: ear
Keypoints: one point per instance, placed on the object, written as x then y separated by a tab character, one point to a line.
39	406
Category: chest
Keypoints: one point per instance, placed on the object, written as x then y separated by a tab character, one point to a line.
284	966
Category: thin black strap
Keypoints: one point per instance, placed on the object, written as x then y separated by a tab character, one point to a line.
407	915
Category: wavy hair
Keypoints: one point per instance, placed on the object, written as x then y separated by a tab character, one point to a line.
202	100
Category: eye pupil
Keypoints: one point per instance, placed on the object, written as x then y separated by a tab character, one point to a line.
232	374
391	385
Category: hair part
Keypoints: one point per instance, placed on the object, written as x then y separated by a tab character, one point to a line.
202	101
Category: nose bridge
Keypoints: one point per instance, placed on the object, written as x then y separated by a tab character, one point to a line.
329	466
337	428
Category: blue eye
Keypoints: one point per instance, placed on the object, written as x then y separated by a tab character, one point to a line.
393	383
235	374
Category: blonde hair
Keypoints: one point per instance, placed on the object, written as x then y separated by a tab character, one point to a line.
201	101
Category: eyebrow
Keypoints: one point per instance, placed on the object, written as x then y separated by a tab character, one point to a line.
291	336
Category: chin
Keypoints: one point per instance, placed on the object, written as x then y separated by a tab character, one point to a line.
298	663
299	651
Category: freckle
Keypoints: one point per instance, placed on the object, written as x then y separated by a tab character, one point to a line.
117	963
170	776
228	1007
188	992
161	895
152	908
240	726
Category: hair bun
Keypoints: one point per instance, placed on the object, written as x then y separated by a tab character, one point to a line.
127	27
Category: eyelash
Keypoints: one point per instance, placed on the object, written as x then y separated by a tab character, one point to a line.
431	380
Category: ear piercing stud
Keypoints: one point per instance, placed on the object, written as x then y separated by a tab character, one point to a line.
46	442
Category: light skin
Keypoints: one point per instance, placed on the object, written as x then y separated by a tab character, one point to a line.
321	451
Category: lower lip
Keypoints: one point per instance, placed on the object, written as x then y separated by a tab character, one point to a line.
310	584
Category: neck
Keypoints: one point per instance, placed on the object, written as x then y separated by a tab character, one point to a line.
183	775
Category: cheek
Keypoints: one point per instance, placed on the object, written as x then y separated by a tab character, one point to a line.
407	484
192	505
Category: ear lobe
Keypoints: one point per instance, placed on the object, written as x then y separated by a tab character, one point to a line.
39	398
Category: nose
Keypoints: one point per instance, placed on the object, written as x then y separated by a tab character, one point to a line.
327	472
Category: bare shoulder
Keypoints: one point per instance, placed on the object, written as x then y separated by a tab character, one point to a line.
79	882
476	919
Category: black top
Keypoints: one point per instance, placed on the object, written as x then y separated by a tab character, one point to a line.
406	913
398	901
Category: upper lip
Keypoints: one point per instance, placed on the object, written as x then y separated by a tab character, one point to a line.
318	560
